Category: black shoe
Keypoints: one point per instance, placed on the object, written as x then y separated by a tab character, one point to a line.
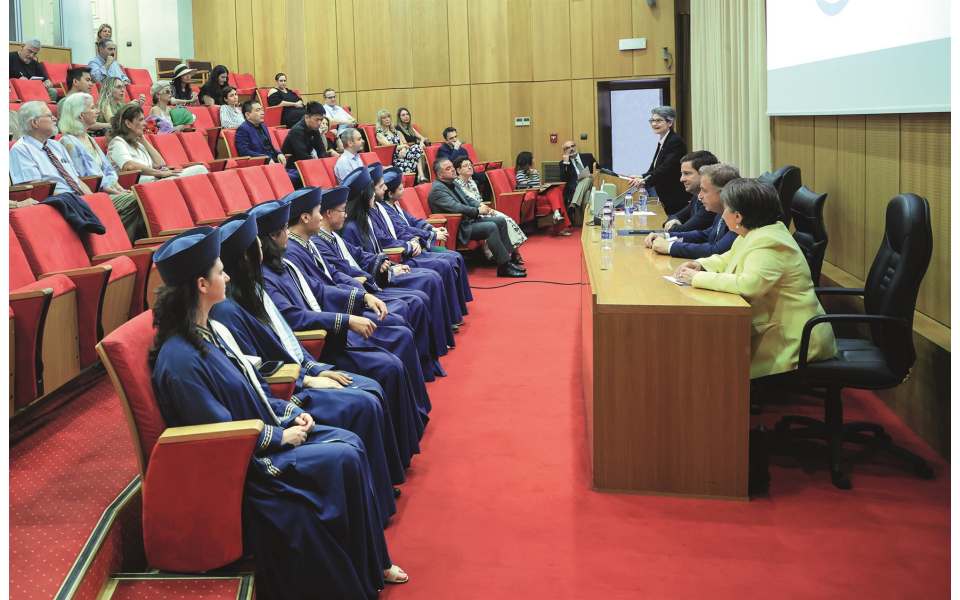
456	328
508	269
396	493
518	267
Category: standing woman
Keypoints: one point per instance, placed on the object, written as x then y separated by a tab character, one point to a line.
112	97
76	114
529	178
406	130
664	171
182	92
129	149
178	118
409	158
213	91
308	487
468	186
292	104
231	116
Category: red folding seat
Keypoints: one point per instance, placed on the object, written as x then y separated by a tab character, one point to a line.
279	179
204	123
506	199
279	135
29	90
478	165
329	164
257	186
201	198
314	173
431	153
14	98
139	77
101	248
214	115
46	357
19	193
230	191
195	145
134	90
230	137
369	158
172	151
164	209
272	115
103	291
453	220
533	205
57	74
192	480
245	83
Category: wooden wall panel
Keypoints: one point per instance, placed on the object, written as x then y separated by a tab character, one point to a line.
245	38
493	121
295	65
851	178
431	53
656	23
432	108
270	55
215	33
882	180
925	170
551	61
581	39
461	114
583	108
384	57
612	21
553	107
519	48
322	71
346	54
458	41
369	102
521	105
488	39
347	99
825	178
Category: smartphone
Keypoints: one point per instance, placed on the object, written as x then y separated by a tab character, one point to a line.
270	367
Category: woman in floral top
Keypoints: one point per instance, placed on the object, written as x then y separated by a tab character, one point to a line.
469	187
407	157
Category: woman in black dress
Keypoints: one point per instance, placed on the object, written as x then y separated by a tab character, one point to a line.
292	104
182	92
406	130
211	94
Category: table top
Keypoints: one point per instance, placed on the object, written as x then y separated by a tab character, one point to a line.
635	280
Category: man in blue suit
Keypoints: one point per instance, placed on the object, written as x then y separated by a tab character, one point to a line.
253	139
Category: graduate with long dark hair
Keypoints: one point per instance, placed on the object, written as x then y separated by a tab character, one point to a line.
308	491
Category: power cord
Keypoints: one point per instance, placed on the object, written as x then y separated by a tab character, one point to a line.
473	287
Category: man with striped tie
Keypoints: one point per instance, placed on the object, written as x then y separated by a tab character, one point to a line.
38	157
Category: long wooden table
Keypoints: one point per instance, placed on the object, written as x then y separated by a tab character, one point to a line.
666	374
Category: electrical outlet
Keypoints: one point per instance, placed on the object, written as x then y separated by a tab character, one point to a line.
518	122
526	121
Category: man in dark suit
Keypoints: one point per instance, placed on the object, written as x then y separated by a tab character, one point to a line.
573	162
445	197
253	139
451	148
664	171
695	216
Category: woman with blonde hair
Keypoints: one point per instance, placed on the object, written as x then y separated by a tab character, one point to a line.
104	32
77	113
129	149
112	96
409	158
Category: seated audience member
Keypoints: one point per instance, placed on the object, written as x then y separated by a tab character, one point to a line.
259	330
334	146
468	186
694	216
24	65
573	162
406	130
305	140
451	150
231	115
350	160
105	64
715	239
112	97
292	104
664	171
297	520
529	178
409	158
88	159
78	80
129	149
253	139
178	117
338	115
213	92
767	268
182	92
446	197
38	157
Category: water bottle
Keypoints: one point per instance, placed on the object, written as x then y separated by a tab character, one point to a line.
606	229
606	259
628	208
642	199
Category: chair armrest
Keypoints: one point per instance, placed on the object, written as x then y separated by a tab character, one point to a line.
190	164
27	294
839	291
152	240
813	322
79	272
212	431
234	212
361	279
111	255
213	221
314	334
446	215
128	178
93	182
286	374
436	221
494	164
393	250
172	232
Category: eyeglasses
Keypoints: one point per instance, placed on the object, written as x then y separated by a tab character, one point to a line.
655	121
165	91
338	210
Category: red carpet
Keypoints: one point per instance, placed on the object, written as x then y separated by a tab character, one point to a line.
499	505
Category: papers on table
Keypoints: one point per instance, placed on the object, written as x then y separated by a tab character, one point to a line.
673	279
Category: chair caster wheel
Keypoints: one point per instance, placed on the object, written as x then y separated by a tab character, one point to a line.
924	472
841	482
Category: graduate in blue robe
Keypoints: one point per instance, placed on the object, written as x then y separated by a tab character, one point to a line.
305	219
309	490
385	354
367	228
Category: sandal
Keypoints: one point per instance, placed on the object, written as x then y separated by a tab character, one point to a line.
393	575
517	259
564	232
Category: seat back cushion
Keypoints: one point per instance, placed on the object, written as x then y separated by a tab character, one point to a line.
139	77
170	149
230	191
329	164
410	201
279	180
314	173
115	239
48	242
256	184
279	136
163	206
369	158
20	272
424	194
230	135
200	197
134	90
203	119
195	145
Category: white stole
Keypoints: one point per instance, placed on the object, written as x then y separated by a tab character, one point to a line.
345	252
251	375
304	288
386	216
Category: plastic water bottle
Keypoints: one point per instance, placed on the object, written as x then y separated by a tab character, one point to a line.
606	259
628	208
606	228
641	199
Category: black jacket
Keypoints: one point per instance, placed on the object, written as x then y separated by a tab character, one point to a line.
77	213
300	141
664	174
569	174
693	217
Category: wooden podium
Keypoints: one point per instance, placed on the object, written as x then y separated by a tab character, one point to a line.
666	374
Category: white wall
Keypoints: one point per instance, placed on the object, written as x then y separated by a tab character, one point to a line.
156	29
78	33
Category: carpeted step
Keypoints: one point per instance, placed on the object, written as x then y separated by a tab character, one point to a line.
150	586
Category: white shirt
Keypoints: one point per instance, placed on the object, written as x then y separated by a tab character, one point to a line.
337	112
28	162
347	162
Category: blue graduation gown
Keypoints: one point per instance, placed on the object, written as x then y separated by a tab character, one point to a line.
388	356
357	408
312	508
424	282
412	309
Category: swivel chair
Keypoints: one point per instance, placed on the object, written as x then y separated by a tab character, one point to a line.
889	299
810	233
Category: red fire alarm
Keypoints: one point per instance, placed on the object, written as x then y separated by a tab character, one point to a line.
553	138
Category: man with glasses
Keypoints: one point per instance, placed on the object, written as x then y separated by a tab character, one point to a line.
571	166
664	171
337	114
24	65
38	157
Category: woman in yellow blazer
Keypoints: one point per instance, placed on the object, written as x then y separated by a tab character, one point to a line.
766	267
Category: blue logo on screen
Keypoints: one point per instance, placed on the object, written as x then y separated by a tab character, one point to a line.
832	9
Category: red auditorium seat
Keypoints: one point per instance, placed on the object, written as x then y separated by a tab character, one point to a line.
483	166
533	206
139	77
431	153
369	158
134	90
453	220
46	357
29	90
384	153
101	248
245	83
201	198
329	164
195	145
172	151
164	208
230	137
230	191
38	190
57	74
410	202
14	98
279	179
272	115
314	173
19	193
279	135
505	198
192	477
204	123
257	186
215	115
103	291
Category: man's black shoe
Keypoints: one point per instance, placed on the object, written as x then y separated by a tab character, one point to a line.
518	267
507	269
396	493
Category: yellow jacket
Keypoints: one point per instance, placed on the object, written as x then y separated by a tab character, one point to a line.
767	268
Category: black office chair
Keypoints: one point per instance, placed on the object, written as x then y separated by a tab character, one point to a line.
774	180
790	182
810	233
889	299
